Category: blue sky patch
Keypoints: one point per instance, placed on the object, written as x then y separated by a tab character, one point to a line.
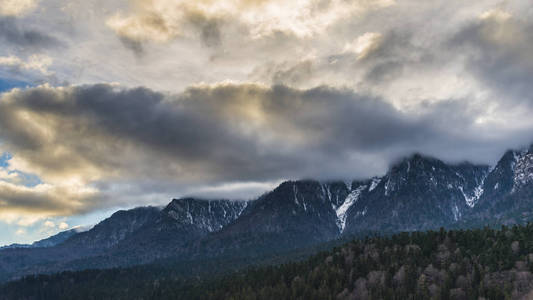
8	84
4	159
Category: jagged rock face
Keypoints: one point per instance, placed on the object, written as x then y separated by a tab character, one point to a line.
179	225
295	214
417	193
205	215
500	181
336	192
508	189
522	168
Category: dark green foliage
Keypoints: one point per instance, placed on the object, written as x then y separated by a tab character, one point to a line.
462	264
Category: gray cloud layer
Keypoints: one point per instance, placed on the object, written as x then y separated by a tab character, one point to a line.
106	138
12	32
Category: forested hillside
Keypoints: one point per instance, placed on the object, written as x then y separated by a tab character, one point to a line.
465	264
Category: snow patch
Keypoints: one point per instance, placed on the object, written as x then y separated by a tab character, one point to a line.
478	192
295	192
472	200
374	183
522	169
456	213
350	200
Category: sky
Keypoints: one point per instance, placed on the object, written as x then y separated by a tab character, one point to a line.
108	105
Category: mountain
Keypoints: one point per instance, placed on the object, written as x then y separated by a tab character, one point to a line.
417	193
127	237
295	214
507	193
180	223
112	230
58	238
48	242
19	261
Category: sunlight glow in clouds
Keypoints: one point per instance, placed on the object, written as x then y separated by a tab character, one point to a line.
135	102
35	62
163	20
16	7
364	44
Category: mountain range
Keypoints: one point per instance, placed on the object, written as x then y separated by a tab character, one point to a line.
417	193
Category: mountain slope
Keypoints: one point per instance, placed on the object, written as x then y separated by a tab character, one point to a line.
418	193
128	237
106	234
295	214
113	230
508	190
48	242
179	224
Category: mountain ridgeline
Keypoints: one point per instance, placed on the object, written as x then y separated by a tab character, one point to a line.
418	193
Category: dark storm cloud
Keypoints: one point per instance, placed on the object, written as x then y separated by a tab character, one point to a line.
12	32
104	146
213	133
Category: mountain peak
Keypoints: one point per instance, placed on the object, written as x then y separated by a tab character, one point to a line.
417	161
206	215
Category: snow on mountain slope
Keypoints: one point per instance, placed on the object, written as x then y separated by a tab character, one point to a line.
523	169
348	202
205	215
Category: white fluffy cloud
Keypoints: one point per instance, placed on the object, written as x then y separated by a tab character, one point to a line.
35	62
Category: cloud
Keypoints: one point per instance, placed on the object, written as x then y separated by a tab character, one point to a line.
35	62
233	131
49	224
13	33
364	44
16	7
45	199
162	21
498	50
99	146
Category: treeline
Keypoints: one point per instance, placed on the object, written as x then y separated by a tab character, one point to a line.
460	264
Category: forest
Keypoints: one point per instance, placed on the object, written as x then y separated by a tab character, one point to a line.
458	264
